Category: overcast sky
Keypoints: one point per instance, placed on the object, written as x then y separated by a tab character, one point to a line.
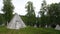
20	5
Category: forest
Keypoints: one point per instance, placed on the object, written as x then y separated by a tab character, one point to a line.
48	15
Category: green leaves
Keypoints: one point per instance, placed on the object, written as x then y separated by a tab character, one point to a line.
30	13
54	12
8	10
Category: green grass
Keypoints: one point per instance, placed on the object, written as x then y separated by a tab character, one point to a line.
29	30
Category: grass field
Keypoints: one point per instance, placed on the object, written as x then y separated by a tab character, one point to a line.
29	30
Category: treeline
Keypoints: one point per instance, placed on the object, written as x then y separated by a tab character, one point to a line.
48	15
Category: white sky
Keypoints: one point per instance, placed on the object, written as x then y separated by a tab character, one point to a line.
20	5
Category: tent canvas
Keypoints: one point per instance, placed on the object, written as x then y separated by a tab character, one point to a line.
57	27
16	23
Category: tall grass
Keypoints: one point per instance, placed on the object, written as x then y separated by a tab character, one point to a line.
28	30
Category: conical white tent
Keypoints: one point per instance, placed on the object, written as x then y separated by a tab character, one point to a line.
16	23
57	27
